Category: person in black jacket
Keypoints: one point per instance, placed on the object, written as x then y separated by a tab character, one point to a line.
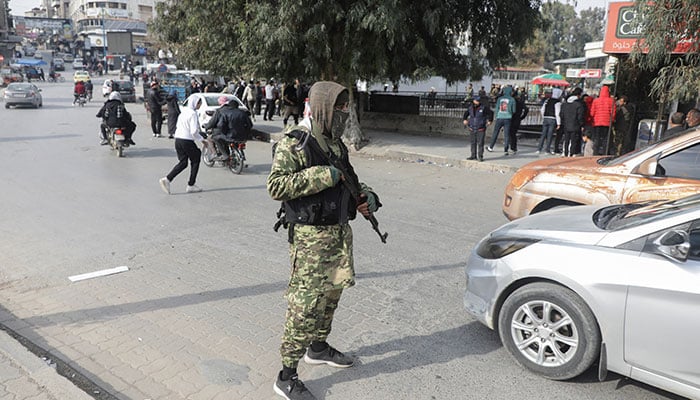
229	124
155	102
115	115
520	113
573	116
477	117
173	113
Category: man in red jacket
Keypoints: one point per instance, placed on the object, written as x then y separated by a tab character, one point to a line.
603	113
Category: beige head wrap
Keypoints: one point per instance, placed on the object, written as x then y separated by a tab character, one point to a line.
322	98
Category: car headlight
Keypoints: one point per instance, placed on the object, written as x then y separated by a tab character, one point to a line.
494	248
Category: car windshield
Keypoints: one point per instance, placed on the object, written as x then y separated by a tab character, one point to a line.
21	87
213	101
623	216
610	160
124	85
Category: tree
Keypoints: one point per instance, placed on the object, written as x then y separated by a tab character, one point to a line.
343	39
562	34
664	26
346	40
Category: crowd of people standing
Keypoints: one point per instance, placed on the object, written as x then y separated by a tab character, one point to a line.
574	123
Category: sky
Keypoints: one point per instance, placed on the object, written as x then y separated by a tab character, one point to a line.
20	6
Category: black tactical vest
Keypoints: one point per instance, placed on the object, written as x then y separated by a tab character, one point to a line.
331	206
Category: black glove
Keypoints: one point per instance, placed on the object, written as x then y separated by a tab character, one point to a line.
204	135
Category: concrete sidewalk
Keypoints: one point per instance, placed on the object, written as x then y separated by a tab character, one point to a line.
24	375
430	149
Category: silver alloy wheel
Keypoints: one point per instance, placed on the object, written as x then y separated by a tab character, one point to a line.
544	333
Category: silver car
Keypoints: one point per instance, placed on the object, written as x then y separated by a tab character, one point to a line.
22	94
616	285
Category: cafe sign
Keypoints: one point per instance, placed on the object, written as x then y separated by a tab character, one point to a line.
624	30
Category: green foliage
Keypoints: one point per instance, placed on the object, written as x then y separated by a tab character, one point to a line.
664	26
562	34
344	40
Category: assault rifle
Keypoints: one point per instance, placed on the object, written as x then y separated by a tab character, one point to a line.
352	187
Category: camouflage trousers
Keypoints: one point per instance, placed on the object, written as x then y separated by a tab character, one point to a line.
309	318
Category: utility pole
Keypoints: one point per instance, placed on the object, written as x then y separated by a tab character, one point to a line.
104	40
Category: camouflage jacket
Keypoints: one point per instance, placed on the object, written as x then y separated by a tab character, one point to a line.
320	256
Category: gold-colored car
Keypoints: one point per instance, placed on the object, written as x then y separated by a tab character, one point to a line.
669	169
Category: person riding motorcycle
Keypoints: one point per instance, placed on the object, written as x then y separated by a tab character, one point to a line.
115	115
229	124
78	90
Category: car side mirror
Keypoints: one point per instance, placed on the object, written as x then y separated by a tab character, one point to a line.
673	244
650	167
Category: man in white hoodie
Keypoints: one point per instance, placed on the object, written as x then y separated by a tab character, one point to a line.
186	134
550	119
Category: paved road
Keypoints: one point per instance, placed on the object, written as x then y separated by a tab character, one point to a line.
199	313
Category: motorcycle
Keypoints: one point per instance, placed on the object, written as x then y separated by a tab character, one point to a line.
56	78
117	141
235	161
82	99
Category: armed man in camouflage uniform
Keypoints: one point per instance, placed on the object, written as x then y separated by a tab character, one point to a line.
318	207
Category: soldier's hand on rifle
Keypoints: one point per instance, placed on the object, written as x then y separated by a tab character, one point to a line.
363	207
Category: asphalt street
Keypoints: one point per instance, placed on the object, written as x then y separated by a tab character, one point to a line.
199	312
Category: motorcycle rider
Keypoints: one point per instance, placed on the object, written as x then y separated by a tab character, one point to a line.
115	115
229	124
78	90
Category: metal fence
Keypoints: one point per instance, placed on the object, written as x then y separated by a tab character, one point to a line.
454	106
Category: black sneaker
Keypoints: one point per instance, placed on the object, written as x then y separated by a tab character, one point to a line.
292	389
329	356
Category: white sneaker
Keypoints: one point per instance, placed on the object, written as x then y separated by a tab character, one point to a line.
193	189
538	152
489	148
165	185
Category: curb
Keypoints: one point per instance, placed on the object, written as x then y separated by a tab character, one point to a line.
39	372
406	156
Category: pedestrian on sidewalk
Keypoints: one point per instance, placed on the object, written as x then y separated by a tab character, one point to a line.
249	98
603	113
318	208
186	133
270	90
477	118
572	115
550	110
505	108
521	112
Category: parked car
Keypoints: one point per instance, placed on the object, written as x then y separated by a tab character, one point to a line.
81	76
126	89
615	285
210	103
78	63
10	75
22	94
68	58
59	64
669	169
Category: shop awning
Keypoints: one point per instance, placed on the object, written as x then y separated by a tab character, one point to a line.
550	79
29	61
